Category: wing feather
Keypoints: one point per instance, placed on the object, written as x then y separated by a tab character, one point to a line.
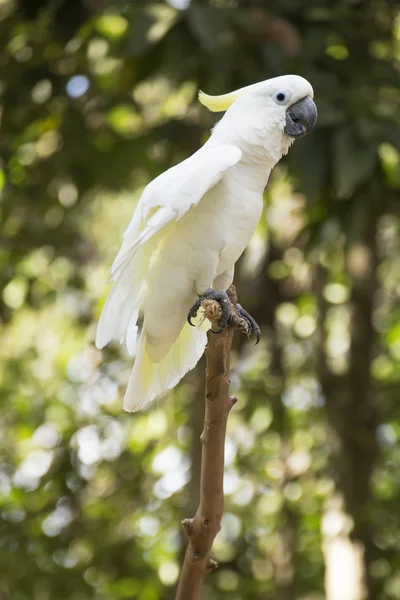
165	200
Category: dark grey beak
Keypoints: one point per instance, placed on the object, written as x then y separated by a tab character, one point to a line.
301	118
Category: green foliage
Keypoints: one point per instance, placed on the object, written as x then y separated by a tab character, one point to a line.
93	106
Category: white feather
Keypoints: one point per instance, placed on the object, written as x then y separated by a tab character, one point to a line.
149	379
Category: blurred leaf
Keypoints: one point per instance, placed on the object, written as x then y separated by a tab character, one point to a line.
148	25
208	25
112	26
353	162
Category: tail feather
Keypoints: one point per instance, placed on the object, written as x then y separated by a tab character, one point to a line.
120	312
149	379
117	316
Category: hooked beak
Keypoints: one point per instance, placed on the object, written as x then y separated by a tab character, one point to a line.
300	118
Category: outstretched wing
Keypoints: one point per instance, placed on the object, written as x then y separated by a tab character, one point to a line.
164	200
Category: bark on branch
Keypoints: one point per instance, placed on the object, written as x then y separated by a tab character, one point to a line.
204	526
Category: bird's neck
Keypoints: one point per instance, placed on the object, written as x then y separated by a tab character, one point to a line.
252	172
259	157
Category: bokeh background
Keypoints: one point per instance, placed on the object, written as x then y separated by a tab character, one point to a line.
97	98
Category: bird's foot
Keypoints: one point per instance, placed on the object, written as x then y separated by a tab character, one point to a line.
250	324
239	318
219	296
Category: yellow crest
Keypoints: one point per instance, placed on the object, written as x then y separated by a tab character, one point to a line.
223	102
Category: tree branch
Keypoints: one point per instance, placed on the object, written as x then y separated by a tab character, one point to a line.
202	529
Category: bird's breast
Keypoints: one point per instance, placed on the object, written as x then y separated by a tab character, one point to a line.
237	206
213	234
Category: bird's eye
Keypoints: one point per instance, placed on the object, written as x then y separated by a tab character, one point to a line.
280	97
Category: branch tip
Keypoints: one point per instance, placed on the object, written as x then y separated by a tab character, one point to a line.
233	400
187	525
211	565
212	311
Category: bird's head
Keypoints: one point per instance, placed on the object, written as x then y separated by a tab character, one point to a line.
270	113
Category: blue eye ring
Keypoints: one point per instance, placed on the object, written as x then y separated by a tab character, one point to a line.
280	97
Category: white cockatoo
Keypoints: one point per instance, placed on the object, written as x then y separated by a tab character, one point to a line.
189	228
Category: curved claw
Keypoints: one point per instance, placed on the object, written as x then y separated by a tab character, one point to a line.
253	326
216	332
193	312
